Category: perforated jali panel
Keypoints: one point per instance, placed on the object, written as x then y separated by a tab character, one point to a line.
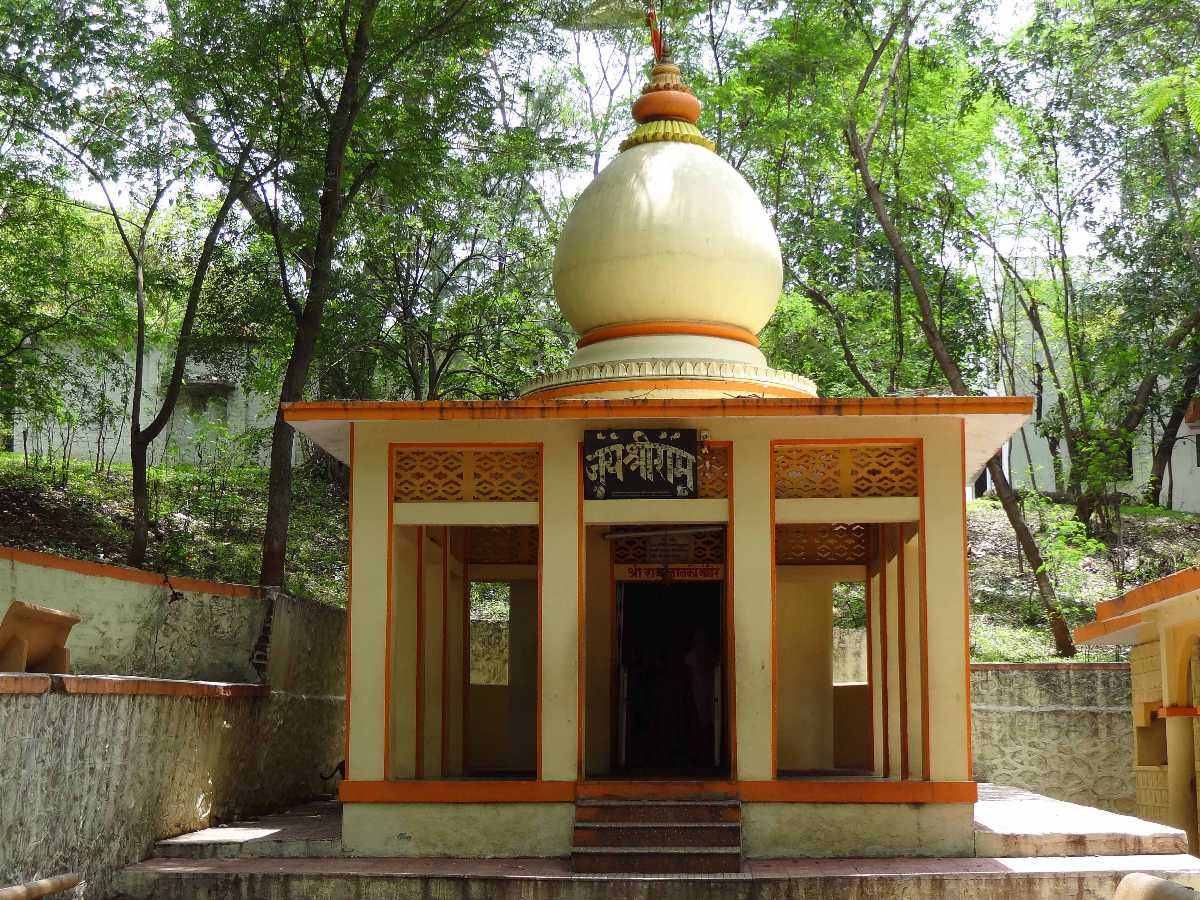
704	547
503	544
854	470
453	474
712	481
829	545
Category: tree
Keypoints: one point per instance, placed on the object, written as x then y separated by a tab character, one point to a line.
347	95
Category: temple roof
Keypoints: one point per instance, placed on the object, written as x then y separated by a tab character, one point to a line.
988	421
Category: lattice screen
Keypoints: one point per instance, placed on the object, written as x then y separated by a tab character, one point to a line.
454	474
701	548
827	545
854	470
503	544
712	482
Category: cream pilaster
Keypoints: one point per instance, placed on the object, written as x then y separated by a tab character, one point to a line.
559	631
752	607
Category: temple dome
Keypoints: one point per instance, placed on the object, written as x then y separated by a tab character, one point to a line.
668	232
668	266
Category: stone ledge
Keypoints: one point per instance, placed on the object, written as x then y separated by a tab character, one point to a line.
1049	667
23	683
129	685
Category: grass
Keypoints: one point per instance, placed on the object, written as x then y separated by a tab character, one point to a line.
206	521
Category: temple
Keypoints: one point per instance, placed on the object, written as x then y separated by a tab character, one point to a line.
667	521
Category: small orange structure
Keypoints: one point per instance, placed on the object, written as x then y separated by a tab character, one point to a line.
1160	622
34	638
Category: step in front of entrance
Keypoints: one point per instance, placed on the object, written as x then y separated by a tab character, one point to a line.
654	836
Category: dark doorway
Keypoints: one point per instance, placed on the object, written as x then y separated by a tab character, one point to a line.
670	697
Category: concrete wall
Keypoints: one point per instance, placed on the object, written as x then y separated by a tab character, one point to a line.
1064	730
210	399
97	768
141	623
92	780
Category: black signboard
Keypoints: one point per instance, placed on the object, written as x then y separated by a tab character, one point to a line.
639	463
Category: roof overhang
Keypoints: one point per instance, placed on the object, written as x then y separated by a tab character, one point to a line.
1130	618
989	421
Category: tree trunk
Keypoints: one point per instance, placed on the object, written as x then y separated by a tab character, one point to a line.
1162	455
141	506
1008	498
1064	645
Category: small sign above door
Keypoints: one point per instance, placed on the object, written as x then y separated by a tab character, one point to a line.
651	572
639	463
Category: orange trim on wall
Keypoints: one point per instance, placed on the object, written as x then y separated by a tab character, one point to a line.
23	683
774	617
122	573
581	620
135	686
669	384
902	647
445	643
419	705
349	605
640	329
797	791
869	602
466	648
541	577
924	614
454	791
1176	712
860	791
962	432
655	790
1182	582
884	688
542	407
1090	631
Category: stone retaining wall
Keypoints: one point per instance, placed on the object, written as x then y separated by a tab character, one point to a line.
1060	729
98	767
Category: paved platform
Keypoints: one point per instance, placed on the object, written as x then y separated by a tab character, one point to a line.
1013	822
1027	846
1042	878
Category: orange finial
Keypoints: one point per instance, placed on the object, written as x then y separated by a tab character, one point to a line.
656	40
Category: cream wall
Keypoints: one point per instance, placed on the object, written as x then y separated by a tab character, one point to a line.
599	662
751	582
797	830
472	830
804	630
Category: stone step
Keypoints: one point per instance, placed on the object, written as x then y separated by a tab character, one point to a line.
656	860
657	834
1040	878
658	811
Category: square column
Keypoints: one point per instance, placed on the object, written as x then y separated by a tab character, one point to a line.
558	633
753	609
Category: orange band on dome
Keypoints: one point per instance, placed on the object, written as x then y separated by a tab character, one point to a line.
640	329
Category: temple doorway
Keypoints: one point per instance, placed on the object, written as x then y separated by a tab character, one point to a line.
670	703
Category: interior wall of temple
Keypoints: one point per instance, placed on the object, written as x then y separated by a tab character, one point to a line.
804	630
599	587
402	757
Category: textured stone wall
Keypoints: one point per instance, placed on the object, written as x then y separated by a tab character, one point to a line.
1061	730
849	655
92	780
